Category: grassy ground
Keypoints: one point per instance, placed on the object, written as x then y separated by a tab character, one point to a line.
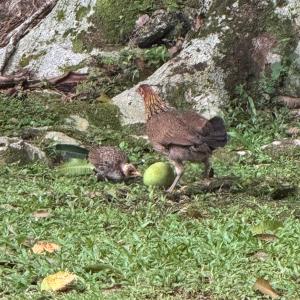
131	242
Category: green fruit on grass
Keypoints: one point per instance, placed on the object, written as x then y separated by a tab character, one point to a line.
159	174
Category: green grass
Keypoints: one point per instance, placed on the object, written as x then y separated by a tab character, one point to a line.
144	243
130	242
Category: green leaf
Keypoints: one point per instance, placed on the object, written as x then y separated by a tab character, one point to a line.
277	69
76	167
68	151
252	106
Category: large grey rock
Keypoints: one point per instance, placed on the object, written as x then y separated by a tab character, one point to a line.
161	26
60	138
47	48
193	72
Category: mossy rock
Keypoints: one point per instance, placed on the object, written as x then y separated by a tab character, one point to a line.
116	19
104	115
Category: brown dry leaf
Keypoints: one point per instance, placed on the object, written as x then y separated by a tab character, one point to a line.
267	237
58	282
43	246
290	102
261	255
41	213
293	131
264	287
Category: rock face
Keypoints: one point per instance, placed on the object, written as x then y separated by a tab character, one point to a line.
234	43
17	150
49	47
240	42
162	26
60	138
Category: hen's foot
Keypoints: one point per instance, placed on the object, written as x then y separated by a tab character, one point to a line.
208	173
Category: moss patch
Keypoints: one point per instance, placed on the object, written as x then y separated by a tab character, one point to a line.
116	19
81	12
78	44
26	59
72	68
60	15
176	97
246	22
104	115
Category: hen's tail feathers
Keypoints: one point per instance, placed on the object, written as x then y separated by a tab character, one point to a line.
216	136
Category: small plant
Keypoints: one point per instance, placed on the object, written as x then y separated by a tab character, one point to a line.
247	101
156	56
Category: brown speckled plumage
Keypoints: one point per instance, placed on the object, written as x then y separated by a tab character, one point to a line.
111	163
181	136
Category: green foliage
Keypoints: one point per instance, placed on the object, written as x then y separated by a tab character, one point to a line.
113	74
156	56
66	151
268	84
257	118
78	44
34	112
115	234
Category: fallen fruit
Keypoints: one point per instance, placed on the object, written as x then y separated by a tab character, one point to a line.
159	174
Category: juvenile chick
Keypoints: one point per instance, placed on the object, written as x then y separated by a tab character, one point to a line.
181	136
111	164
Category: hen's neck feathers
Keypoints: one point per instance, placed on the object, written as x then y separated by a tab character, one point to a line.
155	105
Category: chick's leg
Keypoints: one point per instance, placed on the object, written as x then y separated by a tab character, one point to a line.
179	171
208	170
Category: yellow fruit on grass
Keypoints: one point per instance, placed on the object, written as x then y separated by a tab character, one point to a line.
159	174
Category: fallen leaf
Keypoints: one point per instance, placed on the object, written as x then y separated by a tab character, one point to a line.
266	226
265	288
261	255
293	131
41	213
58	282
267	237
43	246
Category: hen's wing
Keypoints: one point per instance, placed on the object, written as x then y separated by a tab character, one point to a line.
169	128
212	131
194	120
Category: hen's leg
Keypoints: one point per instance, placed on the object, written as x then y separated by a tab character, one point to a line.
179	171
208	170
161	149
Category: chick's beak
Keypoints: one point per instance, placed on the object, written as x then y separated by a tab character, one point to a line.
136	174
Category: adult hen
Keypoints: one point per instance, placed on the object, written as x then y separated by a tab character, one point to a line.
181	136
111	164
